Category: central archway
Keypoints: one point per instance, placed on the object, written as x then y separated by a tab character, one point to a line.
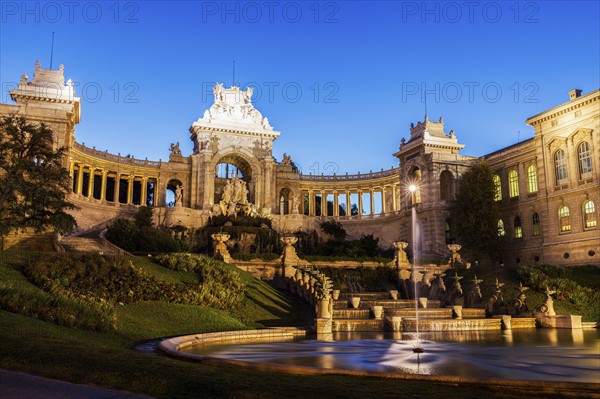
231	166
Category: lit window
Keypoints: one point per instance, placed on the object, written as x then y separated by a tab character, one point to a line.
589	214
535	220
501	231
564	218
497	188
513	184
560	166
532	185
585	160
518	228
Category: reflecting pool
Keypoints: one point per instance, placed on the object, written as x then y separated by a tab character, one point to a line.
540	354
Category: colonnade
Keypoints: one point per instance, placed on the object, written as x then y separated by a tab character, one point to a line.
380	200
113	186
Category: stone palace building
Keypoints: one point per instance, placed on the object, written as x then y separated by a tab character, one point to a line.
548	186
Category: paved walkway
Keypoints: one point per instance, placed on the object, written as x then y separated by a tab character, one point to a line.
17	385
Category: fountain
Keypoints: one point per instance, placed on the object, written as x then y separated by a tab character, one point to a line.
418	348
461	343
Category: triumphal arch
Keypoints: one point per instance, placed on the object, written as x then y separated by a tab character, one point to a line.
547	186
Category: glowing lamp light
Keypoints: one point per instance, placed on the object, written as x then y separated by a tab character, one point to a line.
412	188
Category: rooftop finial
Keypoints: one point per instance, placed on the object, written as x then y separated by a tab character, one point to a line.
52	50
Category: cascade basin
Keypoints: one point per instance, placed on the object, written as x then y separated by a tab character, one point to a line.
543	354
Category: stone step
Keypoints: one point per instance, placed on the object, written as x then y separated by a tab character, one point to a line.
86	245
365	295
439	313
386	303
409	324
352	314
344	325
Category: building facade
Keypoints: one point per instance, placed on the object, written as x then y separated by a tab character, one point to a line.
547	186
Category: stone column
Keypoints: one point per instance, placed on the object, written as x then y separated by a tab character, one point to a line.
90	190
394	202
383	205
572	163
117	187
347	203
311	203
129	189
144	194
372	198
323	203
103	186
80	179
336	210
360	210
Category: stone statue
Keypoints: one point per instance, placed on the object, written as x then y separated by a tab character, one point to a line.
178	195
287	160
454	296
175	149
473	297
438	288
495	303
518	306
218	92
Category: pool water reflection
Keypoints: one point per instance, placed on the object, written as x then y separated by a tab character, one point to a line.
542	354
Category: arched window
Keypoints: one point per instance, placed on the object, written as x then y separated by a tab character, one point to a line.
589	214
501	231
227	170
532	185
513	184
564	218
497	188
518	228
585	160
535	222
560	166
446	185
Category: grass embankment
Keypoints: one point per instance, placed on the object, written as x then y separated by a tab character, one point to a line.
107	359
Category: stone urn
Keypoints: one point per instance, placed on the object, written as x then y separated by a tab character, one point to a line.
324	309
335	294
423	302
355	302
221	251
377	311
298	276
394	294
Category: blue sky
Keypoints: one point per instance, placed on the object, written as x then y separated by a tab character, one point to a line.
341	80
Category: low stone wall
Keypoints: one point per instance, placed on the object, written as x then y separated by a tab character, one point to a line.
173	346
22	241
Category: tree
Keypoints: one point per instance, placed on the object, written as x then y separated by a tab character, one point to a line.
475	213
33	181
143	218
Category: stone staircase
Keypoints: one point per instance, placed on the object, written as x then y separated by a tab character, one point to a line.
400	315
87	245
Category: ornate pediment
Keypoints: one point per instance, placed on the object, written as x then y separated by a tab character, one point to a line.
234	121
233	110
